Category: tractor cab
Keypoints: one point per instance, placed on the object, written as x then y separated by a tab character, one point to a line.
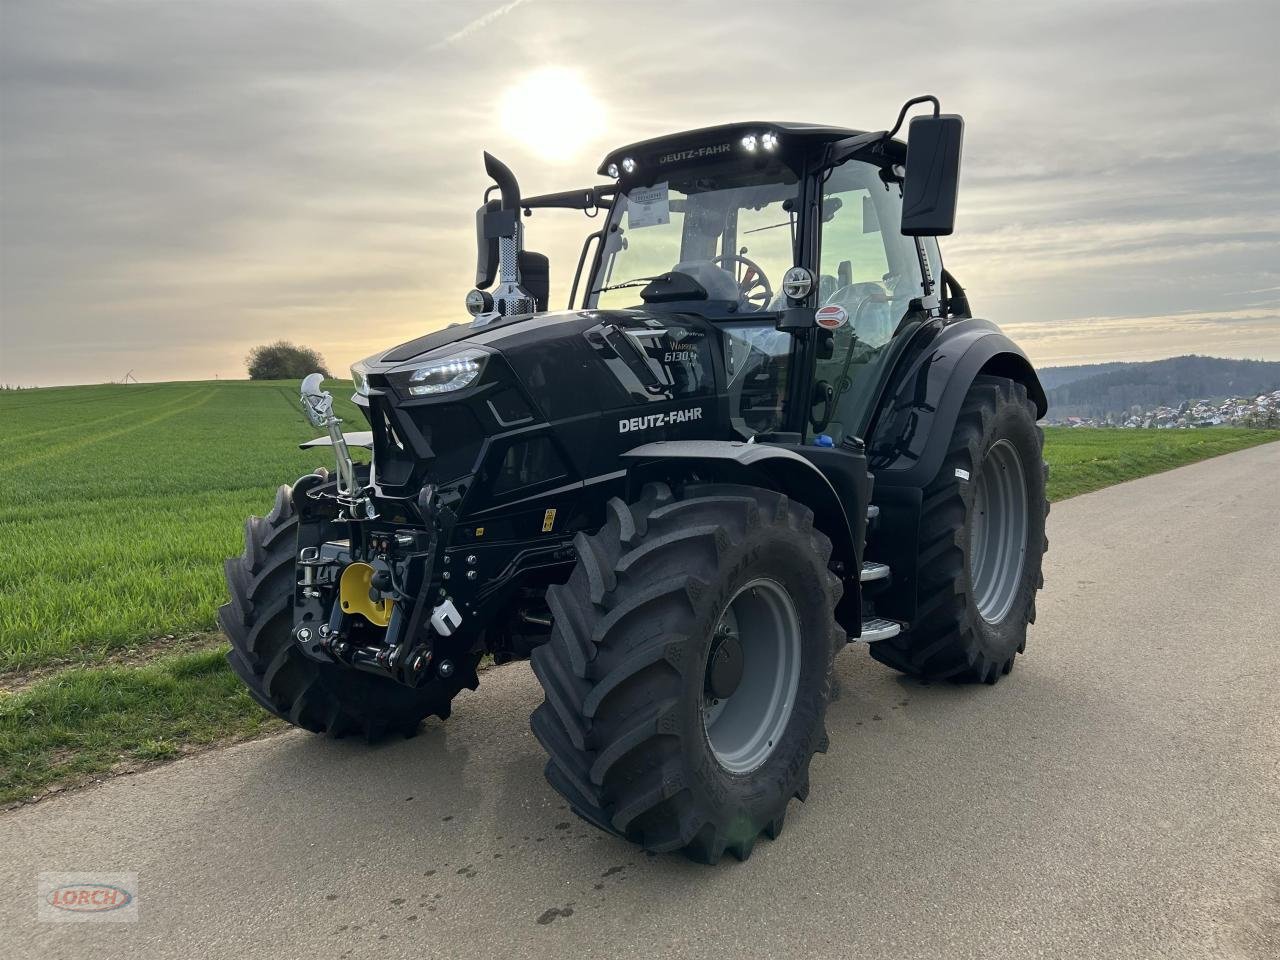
789	237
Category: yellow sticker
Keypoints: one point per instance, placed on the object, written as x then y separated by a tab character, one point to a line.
479	531
548	520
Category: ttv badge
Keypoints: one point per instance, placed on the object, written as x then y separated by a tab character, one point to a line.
832	316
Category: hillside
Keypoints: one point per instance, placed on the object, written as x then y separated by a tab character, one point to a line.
1053	377
1154	384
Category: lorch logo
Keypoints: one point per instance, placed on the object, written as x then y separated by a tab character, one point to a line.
88	896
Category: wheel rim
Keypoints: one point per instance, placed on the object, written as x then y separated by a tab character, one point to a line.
998	532
744	727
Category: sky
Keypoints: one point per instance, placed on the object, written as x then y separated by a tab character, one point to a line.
183	180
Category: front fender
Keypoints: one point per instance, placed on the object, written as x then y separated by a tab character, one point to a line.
912	430
360	438
759	464
787	469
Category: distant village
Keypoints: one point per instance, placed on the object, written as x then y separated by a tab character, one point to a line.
1260	411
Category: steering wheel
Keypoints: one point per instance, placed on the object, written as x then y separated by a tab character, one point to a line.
753	286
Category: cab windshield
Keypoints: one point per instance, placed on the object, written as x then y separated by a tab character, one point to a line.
731	229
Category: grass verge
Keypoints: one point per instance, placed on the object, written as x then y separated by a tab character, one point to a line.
1082	460
66	729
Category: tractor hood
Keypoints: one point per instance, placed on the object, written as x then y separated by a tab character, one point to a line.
568	362
593	383
454	333
491	334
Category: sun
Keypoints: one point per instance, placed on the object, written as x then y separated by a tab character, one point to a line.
552	112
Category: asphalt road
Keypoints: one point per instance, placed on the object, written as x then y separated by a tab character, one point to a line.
1117	796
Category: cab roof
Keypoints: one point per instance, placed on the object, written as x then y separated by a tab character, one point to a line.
794	141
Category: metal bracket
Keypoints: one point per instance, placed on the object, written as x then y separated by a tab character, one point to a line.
318	405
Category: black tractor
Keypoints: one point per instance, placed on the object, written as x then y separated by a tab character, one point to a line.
767	427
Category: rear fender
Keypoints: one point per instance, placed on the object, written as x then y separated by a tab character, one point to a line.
910	434
909	438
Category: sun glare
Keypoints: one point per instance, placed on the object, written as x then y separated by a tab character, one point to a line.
552	112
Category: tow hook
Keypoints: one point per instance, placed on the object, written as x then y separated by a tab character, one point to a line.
445	619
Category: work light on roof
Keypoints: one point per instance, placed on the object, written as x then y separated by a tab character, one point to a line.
612	170
749	143
769	140
628	165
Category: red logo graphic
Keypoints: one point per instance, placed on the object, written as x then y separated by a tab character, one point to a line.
832	316
89	897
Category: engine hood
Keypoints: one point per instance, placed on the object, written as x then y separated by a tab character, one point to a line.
571	363
454	333
501	335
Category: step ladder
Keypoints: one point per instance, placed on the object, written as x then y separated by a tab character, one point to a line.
878	628
872	571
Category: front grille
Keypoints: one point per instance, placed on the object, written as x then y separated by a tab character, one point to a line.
433	443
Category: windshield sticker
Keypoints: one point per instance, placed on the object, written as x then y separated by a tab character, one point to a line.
648	206
832	316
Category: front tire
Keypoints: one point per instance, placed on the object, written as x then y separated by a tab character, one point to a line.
689	668
319	697
982	541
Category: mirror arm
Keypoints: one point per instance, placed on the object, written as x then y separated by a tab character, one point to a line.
584	199
841	150
902	114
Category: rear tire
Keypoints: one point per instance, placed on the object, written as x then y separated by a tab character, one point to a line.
982	541
318	697
630	711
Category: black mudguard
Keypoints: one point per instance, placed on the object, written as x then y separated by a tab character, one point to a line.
912	429
834	484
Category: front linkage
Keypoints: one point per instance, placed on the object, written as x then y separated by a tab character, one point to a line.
364	577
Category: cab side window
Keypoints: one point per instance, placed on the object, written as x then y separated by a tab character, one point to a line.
871	271
867	266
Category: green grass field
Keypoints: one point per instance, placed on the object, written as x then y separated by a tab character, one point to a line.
1081	460
121	503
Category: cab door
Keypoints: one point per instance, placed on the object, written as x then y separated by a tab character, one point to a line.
868	276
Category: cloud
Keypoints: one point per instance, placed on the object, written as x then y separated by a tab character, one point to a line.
476	25
180	181
1253	333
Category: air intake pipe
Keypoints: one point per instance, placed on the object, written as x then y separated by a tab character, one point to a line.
500	241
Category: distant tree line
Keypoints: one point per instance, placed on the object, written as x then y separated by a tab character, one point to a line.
1167	383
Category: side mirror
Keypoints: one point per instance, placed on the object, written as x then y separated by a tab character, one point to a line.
933	175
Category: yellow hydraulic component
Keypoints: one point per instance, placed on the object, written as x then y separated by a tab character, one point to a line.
353	593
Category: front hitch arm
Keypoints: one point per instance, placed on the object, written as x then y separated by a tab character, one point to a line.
318	405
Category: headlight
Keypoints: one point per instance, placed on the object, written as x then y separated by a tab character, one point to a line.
448	373
360	380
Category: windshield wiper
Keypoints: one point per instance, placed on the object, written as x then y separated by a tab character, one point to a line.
637	282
